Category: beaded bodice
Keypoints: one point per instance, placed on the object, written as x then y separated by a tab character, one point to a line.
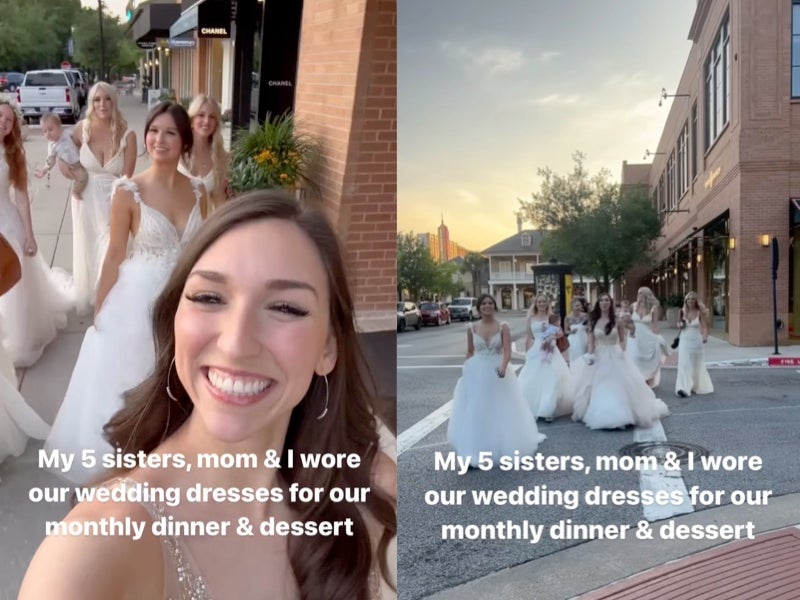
603	339
493	346
157	236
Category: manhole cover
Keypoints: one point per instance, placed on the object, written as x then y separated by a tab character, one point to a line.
660	449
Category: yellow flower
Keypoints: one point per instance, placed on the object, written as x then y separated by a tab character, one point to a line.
284	176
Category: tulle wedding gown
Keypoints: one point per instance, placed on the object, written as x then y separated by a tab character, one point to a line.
117	353
489	413
612	393
647	349
37	306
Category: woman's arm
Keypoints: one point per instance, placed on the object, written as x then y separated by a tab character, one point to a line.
122	207
470	343
67	567
622	328
129	158
23	203
704	324
654	319
77	133
505	335
528	334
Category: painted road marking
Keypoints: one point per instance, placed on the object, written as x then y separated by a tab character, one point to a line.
653	481
419	430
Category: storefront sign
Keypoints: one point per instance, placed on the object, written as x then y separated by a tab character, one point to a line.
214	19
146	45
182	43
712	178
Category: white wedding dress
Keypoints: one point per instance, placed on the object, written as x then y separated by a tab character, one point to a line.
18	421
647	349
692	375
117	353
578	340
489	413
545	383
36	307
90	221
612	393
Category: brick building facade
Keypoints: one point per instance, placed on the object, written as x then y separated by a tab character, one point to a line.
347	97
725	174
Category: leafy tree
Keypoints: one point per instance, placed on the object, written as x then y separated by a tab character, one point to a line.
592	222
120	53
25	46
416	269
474	264
446	281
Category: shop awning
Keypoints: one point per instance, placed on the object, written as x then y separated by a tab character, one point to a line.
211	19
794	212
153	21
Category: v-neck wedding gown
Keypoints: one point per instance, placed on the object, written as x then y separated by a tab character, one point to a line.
489	412
117	353
90	221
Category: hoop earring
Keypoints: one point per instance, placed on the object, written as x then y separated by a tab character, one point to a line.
327	395
169	373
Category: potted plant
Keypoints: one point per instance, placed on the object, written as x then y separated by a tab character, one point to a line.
275	155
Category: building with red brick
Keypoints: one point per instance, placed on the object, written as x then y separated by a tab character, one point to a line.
725	175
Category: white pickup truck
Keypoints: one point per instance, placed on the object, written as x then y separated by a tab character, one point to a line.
50	90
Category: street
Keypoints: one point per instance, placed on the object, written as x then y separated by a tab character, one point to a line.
753	412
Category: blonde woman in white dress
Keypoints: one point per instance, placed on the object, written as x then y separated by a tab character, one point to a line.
107	151
575	324
693	376
646	347
208	161
545	381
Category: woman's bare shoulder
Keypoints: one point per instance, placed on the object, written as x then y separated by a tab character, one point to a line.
112	538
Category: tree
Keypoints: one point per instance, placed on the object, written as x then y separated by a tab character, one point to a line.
474	264
119	52
34	33
416	270
446	281
592	222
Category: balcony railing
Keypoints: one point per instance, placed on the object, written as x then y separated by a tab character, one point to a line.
510	277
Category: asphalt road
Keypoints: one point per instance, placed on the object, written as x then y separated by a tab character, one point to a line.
753	411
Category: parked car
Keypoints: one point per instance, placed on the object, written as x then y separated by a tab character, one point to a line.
464	309
48	90
408	315
434	313
9	82
81	85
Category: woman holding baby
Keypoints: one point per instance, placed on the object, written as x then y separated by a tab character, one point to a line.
545	378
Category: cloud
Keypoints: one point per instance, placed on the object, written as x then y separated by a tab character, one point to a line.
549	55
492	60
558	100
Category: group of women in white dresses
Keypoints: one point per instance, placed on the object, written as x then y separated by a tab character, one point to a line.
127	232
614	363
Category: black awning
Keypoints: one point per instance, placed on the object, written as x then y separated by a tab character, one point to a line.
155	20
794	212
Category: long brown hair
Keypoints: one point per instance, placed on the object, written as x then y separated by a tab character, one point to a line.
329	568
15	153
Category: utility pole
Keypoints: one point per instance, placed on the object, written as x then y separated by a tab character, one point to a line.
102	42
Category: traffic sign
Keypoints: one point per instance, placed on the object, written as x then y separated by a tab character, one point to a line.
66	65
781	361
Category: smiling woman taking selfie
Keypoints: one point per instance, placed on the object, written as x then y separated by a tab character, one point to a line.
256	353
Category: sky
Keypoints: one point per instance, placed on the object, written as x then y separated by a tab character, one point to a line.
488	92
114	7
